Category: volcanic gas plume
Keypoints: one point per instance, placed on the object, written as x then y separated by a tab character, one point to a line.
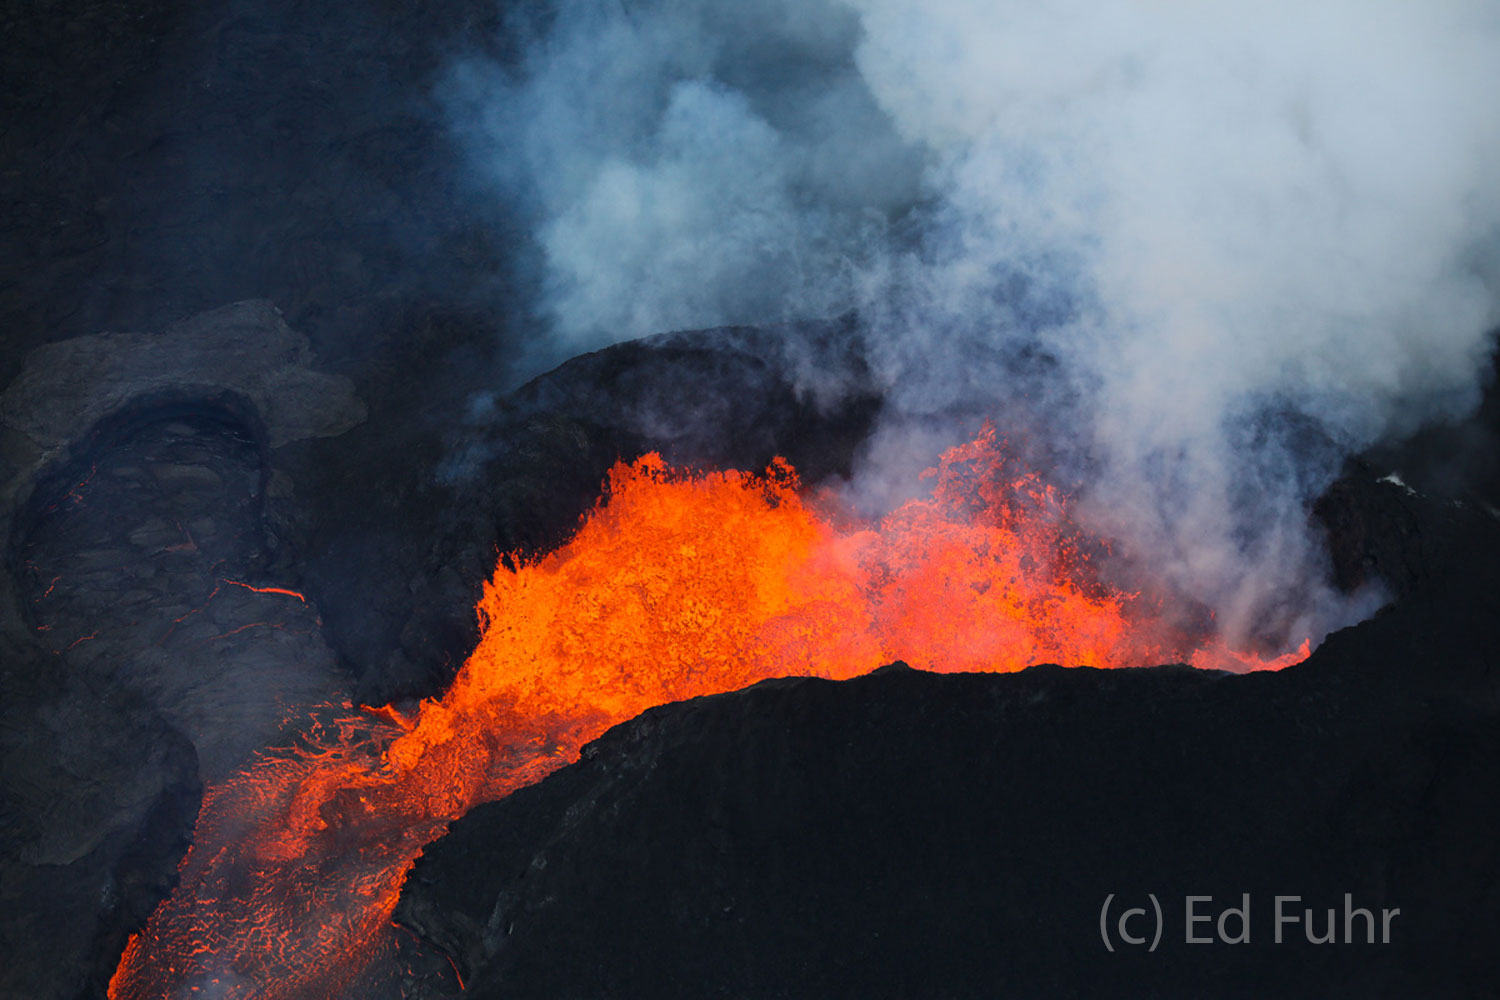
1203	252
676	585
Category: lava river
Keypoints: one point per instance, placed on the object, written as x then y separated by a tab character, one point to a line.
675	585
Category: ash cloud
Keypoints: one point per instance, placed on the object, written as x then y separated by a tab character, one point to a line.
1189	255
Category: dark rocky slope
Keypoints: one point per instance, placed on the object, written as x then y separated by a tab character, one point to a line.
919	835
97	798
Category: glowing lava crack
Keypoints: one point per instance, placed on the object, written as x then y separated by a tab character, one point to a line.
675	585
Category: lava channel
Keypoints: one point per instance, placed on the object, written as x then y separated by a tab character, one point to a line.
675	585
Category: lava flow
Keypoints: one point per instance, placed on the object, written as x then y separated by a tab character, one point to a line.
675	585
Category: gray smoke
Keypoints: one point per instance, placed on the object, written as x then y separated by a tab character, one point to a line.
1200	251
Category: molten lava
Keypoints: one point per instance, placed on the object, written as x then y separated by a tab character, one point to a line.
675	585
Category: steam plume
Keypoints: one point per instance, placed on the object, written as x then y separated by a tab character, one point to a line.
1198	251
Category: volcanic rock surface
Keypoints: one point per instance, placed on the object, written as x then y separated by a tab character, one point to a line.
97	798
154	639
924	835
144	553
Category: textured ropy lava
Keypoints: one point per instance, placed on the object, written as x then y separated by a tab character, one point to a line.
675	585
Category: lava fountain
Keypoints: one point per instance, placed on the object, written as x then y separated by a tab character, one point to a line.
675	585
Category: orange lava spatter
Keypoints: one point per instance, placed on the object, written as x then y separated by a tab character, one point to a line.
675	585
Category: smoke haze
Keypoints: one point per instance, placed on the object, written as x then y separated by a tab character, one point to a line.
1195	254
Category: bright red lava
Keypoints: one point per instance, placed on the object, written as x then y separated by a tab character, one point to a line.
675	585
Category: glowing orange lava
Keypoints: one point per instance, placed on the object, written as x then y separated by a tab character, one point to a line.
676	585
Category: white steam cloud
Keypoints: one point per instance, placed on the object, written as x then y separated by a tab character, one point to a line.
691	164
1203	249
